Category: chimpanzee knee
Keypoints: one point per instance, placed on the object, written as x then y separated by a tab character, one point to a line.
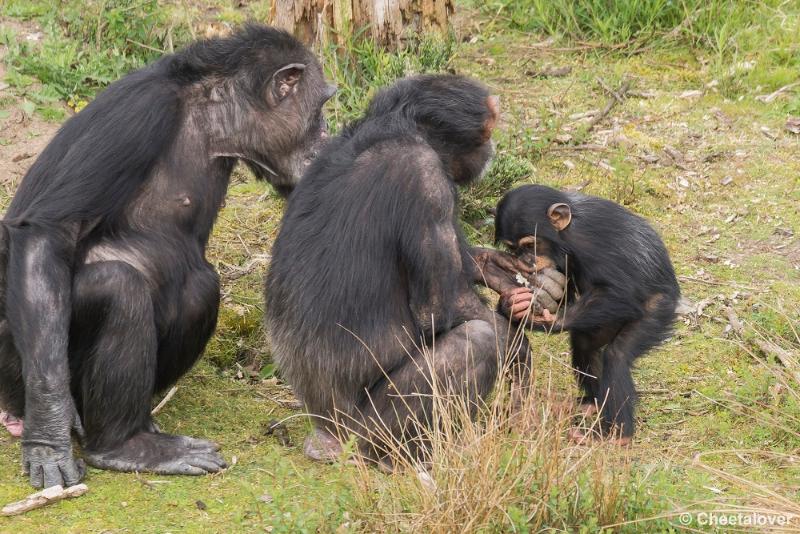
184	334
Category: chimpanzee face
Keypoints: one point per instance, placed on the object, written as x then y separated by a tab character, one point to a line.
281	128
292	125
471	165
536	251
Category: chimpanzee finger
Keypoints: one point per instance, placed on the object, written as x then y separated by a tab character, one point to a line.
519	307
514	293
546	301
52	475
36	475
73	471
552	285
555	275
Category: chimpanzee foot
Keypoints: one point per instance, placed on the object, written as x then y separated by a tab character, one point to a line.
322	446
164	454
582	436
588	409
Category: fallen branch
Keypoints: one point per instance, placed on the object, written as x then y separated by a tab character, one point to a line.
616	96
733	320
769	348
783	356
165	400
772	96
43	498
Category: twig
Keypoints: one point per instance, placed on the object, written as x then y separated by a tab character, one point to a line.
772	96
784	356
609	90
43	498
618	96
148	47
586	146
165	400
733	319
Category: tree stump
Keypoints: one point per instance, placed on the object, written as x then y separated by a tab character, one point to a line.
388	22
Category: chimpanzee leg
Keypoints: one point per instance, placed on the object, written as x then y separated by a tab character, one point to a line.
464	363
115	349
633	340
585	359
189	329
112	352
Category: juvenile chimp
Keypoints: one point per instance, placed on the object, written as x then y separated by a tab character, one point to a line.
623	288
106	294
370	265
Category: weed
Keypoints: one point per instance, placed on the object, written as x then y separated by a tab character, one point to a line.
87	45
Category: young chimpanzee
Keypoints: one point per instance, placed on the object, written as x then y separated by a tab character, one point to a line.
370	264
105	293
623	287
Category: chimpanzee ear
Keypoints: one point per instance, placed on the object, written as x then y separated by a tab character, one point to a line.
493	103
284	81
560	215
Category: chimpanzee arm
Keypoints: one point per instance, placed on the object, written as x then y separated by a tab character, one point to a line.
600	307
431	250
495	269
39	282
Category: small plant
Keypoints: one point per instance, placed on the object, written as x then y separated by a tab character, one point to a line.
87	45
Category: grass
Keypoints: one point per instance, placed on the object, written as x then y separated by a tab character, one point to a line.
719	414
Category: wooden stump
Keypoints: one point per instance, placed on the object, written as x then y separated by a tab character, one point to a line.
388	22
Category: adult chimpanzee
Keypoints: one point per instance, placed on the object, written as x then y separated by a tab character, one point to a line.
618	266
107	295
370	265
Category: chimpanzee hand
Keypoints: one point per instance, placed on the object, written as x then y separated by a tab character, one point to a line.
551	284
539	302
49	465
498	270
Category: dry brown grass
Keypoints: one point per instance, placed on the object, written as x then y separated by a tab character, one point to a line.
509	468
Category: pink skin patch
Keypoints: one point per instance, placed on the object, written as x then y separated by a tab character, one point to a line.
12	424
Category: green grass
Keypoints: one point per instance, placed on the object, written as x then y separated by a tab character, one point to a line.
705	390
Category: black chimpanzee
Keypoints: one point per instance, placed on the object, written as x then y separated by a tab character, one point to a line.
620	269
370	264
107	296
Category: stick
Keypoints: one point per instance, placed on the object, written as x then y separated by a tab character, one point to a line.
768	347
616	97
609	90
165	400
43	498
733	320
772	96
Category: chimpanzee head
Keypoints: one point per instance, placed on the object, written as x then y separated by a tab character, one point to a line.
530	220
456	115
259	94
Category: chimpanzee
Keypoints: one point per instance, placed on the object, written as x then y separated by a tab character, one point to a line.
370	266
623	287
106	293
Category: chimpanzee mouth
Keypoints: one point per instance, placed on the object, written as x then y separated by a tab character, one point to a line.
252	161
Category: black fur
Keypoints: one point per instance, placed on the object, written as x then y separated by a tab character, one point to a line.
108	296
370	261
619	266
